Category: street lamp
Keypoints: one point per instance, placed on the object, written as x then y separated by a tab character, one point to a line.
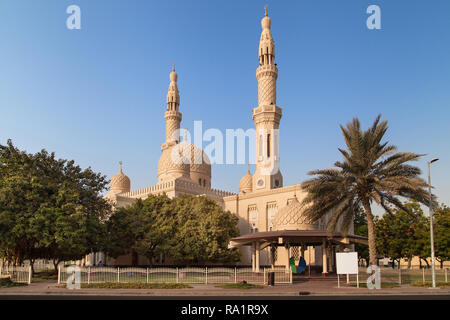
430	210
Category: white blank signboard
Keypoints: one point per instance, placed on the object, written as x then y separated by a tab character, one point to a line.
347	262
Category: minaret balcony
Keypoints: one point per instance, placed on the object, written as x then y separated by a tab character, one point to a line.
268	70
271	108
172	114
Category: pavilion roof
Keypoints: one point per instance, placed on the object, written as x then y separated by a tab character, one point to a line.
295	237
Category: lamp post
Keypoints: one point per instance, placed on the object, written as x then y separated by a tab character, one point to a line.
430	210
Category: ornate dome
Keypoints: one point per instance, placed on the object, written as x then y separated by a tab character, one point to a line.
173	74
265	22
246	183
199	160
173	161
119	183
183	159
291	217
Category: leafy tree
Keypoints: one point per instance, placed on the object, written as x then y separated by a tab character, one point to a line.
402	234
49	208
372	171
146	228
20	194
441	219
203	232
186	229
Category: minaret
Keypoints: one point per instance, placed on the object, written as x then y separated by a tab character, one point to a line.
172	115
267	115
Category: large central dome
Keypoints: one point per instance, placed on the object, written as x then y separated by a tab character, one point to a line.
185	160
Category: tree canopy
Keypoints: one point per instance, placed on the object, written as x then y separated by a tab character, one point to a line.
442	234
185	229
403	233
49	208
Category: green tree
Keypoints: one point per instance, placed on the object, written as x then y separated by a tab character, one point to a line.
203	232
402	234
441	219
185	229
49	208
372	172
145	228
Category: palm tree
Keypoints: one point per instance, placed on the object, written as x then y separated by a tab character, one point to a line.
371	172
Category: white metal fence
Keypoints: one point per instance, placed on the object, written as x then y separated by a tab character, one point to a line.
403	276
16	274
192	275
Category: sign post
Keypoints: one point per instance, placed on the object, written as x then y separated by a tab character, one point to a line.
347	263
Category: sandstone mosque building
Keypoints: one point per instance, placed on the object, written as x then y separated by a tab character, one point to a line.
271	222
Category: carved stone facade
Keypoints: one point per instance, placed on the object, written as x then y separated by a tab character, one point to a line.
263	203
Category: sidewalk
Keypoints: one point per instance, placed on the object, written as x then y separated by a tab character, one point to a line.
311	288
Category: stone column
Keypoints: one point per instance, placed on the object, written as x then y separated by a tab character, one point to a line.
324	258
331	255
257	257
288	253
272	257
253	256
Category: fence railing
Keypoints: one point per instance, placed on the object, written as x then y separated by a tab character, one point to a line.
403	276
192	275
17	274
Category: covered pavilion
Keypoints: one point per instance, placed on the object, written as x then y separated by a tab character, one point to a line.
295	238
293	229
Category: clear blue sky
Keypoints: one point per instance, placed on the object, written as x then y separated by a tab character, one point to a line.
97	95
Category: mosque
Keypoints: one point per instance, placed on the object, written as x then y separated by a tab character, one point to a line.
271	221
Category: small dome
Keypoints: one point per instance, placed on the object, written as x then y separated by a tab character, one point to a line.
246	183
173	74
291	217
119	183
265	22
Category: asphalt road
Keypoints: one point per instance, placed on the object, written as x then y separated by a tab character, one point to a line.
225	298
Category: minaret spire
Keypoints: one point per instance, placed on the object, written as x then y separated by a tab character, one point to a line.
267	115
172	115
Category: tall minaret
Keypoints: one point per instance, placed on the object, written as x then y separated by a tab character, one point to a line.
267	115
172	115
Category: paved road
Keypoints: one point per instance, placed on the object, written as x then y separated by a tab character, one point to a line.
227	298
309	290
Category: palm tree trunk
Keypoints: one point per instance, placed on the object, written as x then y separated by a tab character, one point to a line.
371	233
